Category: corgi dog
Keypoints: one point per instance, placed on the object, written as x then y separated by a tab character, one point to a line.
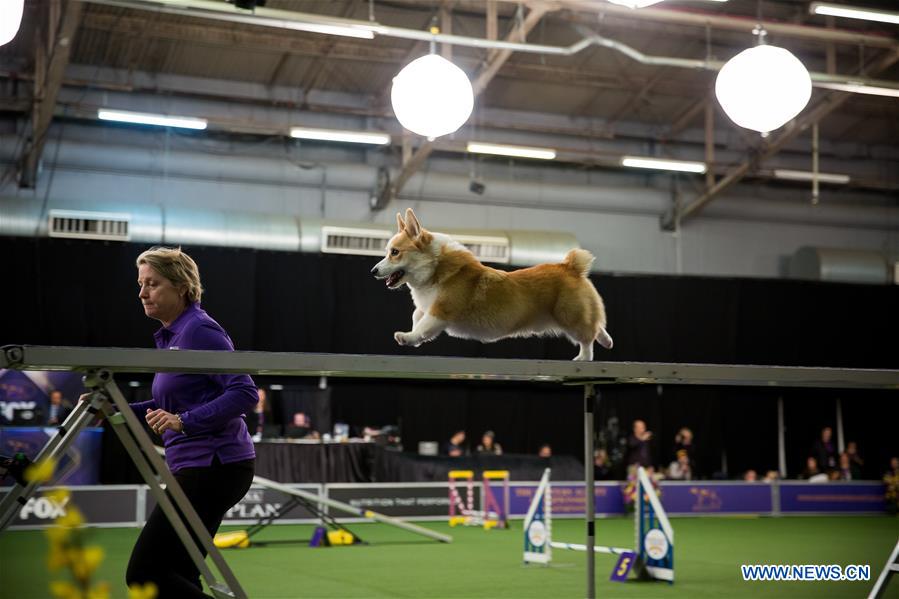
455	293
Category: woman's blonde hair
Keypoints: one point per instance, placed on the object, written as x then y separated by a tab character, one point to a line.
177	267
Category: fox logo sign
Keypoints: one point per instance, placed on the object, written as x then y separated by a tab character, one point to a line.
43	508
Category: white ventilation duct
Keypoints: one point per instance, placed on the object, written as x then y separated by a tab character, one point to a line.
839	265
154	224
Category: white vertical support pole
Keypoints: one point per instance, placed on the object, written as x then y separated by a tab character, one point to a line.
589	498
781	439
815	186
841	441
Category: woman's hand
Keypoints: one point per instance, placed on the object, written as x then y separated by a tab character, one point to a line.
161	421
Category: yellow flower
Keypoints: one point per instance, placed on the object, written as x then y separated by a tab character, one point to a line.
72	518
99	591
56	559
58	495
64	590
85	561
40	472
57	535
145	591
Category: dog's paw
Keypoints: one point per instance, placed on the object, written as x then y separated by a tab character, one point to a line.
401	338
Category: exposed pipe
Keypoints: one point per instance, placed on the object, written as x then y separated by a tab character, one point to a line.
284	19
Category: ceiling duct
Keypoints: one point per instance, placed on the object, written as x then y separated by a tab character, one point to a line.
839	265
155	224
81	224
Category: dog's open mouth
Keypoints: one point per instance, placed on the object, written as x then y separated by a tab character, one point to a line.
393	278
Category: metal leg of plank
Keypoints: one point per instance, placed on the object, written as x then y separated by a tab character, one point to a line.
589	498
142	452
889	570
55	448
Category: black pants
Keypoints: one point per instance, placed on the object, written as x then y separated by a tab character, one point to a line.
159	556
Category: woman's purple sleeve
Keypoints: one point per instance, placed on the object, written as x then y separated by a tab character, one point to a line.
239	394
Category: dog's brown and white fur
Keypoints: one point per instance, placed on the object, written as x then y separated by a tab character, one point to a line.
453	292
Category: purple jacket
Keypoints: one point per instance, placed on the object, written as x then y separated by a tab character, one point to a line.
212	406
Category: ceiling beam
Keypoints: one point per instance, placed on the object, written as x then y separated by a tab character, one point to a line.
830	102
720	21
48	80
481	80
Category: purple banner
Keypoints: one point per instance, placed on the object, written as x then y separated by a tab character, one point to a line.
832	497
569	499
80	465
716	498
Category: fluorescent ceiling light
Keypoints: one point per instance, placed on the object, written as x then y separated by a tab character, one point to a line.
477	147
684	166
810	176
859	88
356	137
144	118
343	30
865	14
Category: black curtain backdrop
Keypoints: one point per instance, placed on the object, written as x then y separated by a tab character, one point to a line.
72	292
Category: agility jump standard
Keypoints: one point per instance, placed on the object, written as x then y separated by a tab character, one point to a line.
99	363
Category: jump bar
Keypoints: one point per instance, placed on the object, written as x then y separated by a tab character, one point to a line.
34	357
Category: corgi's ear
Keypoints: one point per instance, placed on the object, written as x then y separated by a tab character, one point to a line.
400	225
413	227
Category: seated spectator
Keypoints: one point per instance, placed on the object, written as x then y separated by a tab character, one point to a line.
638	445
602	469
771	476
489	445
60	408
824	451
680	468
856	463
545	451
845	470
455	448
751	476
811	469
891	480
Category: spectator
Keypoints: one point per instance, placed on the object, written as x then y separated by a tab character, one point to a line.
60	408
488	445
811	472
856	463
684	440
638	445
545	451
811	468
751	476
456	448
771	476
256	419
602	469
680	468
824	451
845	471
891	480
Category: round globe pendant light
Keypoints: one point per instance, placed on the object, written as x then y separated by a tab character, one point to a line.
762	88
431	96
10	19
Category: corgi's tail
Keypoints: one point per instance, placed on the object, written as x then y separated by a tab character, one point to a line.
579	261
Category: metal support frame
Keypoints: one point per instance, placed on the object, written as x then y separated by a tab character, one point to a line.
107	399
589	493
889	569
585	374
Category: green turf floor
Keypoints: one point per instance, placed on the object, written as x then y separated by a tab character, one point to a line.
708	555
